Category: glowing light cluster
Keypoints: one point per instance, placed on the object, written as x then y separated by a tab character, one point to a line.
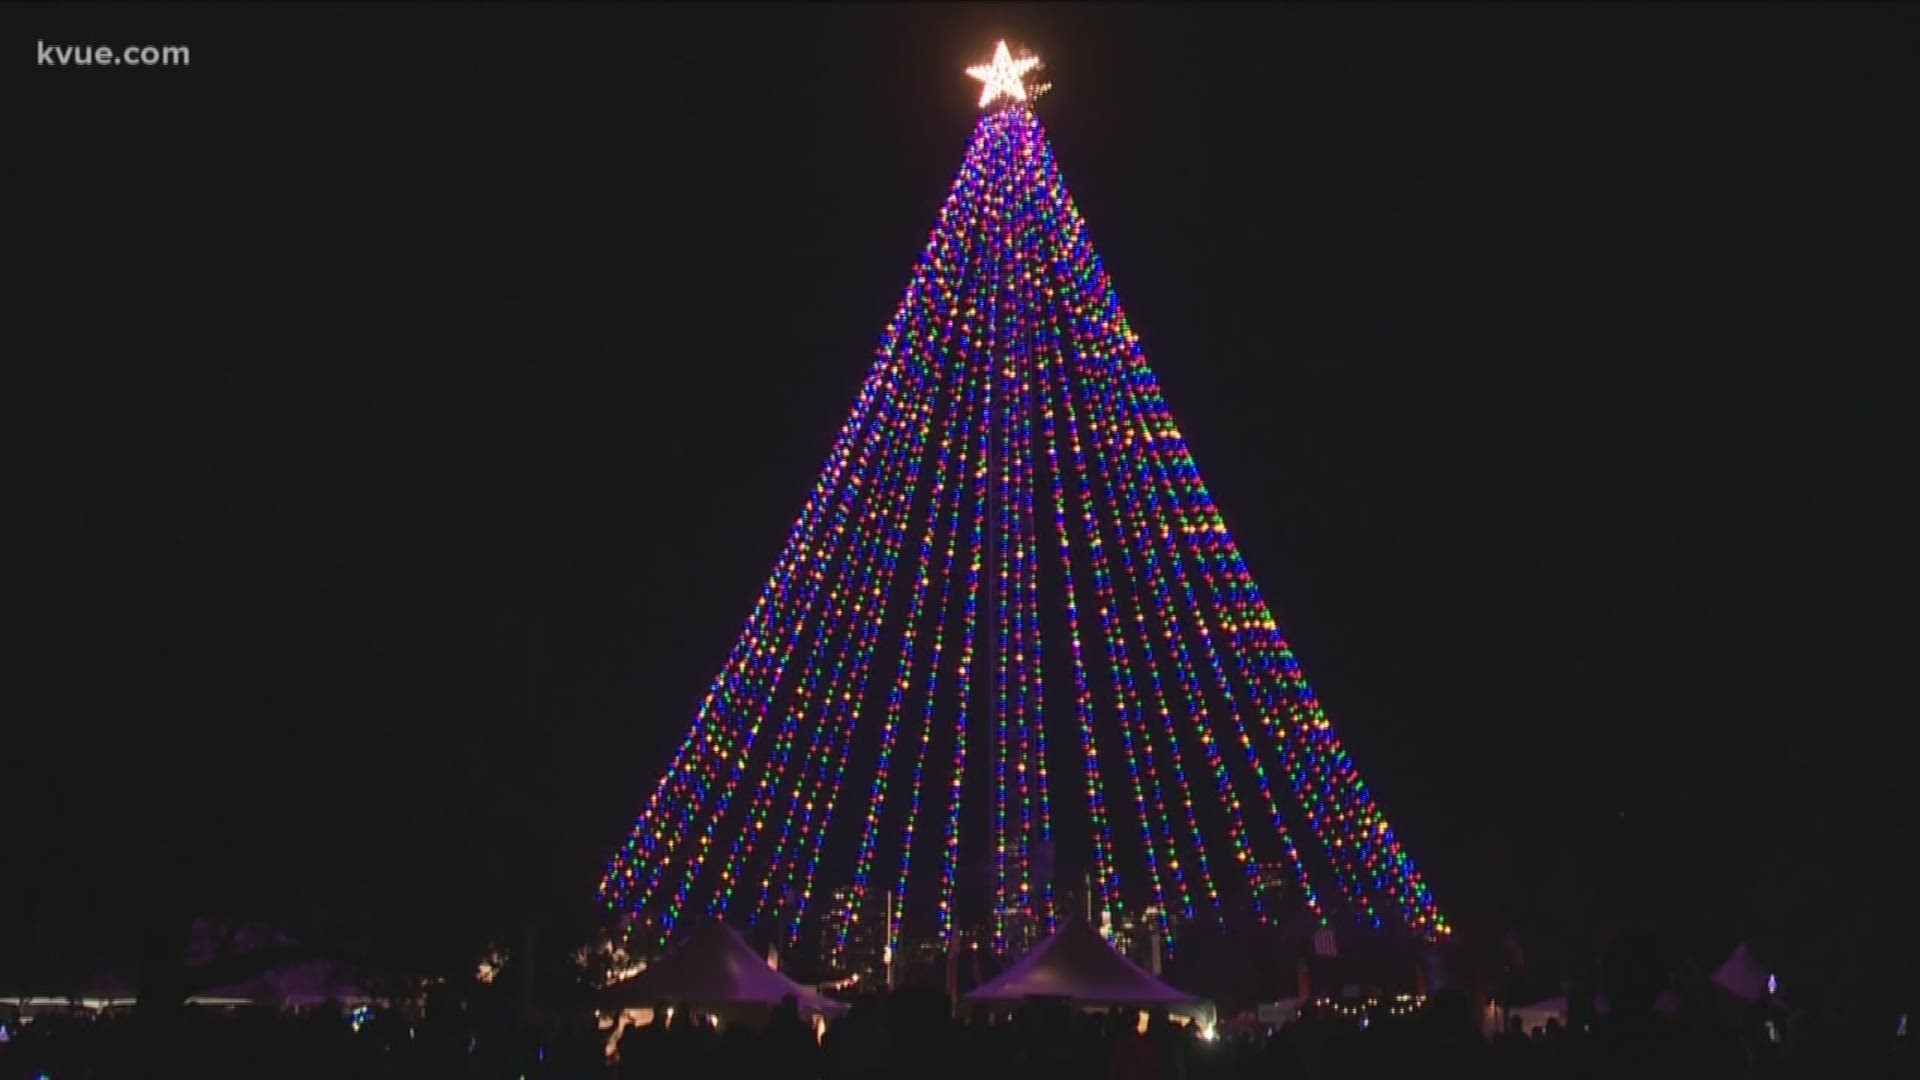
1004	77
884	729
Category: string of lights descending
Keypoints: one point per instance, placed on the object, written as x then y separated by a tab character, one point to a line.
947	485
1142	641
1142	531
740	852
875	590
1033	670
903	674
939	342
979	389
1206	550
997	351
1395	870
678	787
849	665
1142	526
830	627
897	658
1125	695
1046	361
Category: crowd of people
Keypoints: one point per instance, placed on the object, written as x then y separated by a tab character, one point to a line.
913	1035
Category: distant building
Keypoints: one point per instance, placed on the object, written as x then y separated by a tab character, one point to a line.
1024	929
1140	937
851	941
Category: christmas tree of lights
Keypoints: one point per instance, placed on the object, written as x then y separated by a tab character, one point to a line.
1008	574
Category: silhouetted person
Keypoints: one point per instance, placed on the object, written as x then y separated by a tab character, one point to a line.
791	1050
1283	1059
1513	1054
1132	1055
1166	1044
1444	1038
1633	1041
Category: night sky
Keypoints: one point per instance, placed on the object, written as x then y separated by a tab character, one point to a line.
406	404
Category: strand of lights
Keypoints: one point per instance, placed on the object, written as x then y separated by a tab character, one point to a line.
979	360
1003	424
876	596
1087	270
1138	526
1308	782
1202	538
1402	1005
773	772
695	861
903	675
724	748
1223	787
1200	545
945	264
1307	766
781	864
1154	520
928	280
676	785
1126	695
1047	357
1307	786
1365	831
936	651
980	389
1089	347
935	267
963	322
1020	506
679	787
1018	538
1089	371
1033	666
801	863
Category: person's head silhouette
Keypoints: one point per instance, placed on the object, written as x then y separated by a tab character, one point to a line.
1633	974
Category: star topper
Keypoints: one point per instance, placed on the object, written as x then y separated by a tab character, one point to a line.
1005	76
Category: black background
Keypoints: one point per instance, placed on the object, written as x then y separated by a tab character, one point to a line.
410	400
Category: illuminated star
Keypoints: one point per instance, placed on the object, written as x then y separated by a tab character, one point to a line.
1003	76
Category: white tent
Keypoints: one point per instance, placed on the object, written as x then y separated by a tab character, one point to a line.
1078	966
1537	1014
1666	1003
714	971
1742	976
297	986
1276	1013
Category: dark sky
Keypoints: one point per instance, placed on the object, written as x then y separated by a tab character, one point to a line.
411	400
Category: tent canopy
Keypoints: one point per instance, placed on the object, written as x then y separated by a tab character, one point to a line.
1742	976
1077	965
713	969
